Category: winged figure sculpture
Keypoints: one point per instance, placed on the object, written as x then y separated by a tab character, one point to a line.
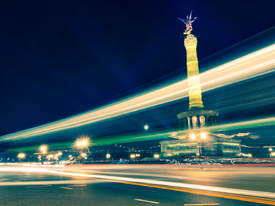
188	22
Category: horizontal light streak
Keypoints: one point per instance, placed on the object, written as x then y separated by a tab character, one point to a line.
153	182
141	200
137	137
251	65
52	182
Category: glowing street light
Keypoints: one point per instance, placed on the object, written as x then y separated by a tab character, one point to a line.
108	156
43	148
192	136
21	155
83	155
79	143
132	156
146	127
50	156
156	156
83	142
203	135
270	149
138	155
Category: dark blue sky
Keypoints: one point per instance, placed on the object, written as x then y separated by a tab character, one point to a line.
58	58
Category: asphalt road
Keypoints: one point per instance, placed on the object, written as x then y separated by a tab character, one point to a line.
39	186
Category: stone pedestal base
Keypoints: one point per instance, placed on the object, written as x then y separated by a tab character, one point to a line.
197	118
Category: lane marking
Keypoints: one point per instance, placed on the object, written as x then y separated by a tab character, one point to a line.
36	186
68	188
141	200
214	194
202	204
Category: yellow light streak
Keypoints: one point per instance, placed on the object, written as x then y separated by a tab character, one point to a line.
251	65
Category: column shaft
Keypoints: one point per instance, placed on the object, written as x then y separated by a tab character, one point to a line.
195	99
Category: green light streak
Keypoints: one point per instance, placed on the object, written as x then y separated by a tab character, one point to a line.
137	137
117	139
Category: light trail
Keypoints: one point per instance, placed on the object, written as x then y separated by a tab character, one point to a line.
142	181
47	182
249	66
137	137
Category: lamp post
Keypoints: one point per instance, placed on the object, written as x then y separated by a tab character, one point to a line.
200	139
43	149
82	143
21	156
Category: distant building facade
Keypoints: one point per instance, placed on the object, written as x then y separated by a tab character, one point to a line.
212	146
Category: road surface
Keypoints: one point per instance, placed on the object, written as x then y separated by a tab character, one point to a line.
137	185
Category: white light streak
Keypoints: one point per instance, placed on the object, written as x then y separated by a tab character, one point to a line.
141	200
138	180
249	66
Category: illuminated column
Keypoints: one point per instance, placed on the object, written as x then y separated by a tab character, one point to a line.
195	100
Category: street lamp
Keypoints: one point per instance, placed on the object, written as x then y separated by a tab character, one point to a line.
192	136
81	143
108	156
21	155
200	140
43	148
132	156
203	135
270	149
156	156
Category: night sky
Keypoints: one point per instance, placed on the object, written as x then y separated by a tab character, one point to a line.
59	58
